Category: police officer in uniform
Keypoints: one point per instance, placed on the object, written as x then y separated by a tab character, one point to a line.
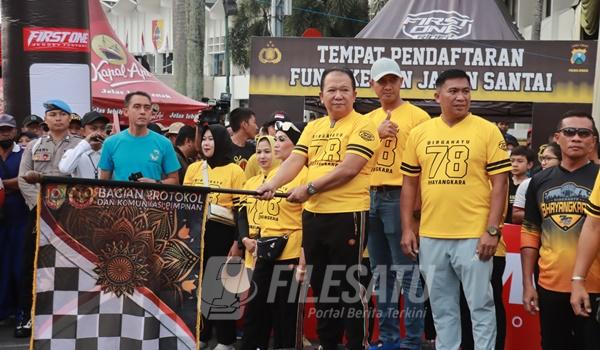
43	156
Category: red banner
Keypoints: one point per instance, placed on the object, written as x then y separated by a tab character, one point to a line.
55	39
522	329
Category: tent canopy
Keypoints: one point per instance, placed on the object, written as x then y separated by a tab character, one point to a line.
442	19
115	73
448	20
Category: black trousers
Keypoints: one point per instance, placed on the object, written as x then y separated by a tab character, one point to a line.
217	242
333	246
274	306
25	296
465	315
561	329
365	280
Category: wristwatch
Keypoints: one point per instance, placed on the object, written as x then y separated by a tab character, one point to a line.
311	189
493	231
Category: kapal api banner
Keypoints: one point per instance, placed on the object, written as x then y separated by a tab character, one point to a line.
519	71
117	266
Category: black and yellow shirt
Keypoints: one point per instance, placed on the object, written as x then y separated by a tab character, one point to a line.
554	214
227	176
593	206
455	164
279	217
325	144
386	170
252	213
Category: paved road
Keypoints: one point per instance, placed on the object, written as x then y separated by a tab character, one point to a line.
7	341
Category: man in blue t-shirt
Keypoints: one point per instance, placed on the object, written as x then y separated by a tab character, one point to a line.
137	149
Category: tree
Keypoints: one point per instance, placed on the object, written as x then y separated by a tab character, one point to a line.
306	14
376	6
180	25
252	19
536	27
195	49
351	17
336	18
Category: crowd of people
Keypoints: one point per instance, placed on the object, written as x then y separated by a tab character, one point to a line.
418	203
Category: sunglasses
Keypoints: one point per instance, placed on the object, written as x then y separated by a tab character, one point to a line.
581	132
286	126
546	159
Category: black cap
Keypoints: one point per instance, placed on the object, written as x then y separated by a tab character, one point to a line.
155	128
92	116
32	119
293	130
75	118
279	115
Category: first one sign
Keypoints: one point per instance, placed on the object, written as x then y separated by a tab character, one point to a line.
55	39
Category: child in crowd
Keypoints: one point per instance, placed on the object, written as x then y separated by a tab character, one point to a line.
521	160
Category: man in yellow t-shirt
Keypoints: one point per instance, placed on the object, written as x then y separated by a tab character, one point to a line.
452	160
394	120
337	150
588	250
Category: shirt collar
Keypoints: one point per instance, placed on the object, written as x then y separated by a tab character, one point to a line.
66	138
16	148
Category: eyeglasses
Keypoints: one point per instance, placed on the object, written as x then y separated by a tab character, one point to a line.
581	132
286	126
546	158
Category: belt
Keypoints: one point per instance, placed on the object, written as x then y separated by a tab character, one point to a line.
386	188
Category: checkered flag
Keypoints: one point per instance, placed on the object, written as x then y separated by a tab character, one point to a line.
75	310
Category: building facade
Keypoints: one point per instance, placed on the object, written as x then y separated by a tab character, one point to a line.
146	27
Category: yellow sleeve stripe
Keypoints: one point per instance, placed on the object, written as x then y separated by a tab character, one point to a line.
498	165
361	149
592	209
301	148
410	168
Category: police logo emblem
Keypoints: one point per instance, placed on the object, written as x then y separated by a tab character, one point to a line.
55	196
269	54
578	55
81	196
366	135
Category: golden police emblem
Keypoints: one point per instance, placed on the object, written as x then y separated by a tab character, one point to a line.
269	54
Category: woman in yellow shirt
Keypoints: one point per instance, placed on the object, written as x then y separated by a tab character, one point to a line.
217	170
277	310
248	216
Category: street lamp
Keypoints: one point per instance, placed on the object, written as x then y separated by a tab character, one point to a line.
230	7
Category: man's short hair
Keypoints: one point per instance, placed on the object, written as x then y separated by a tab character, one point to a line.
268	124
346	71
511	141
134	93
525	152
451	74
578	114
185	133
238	116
